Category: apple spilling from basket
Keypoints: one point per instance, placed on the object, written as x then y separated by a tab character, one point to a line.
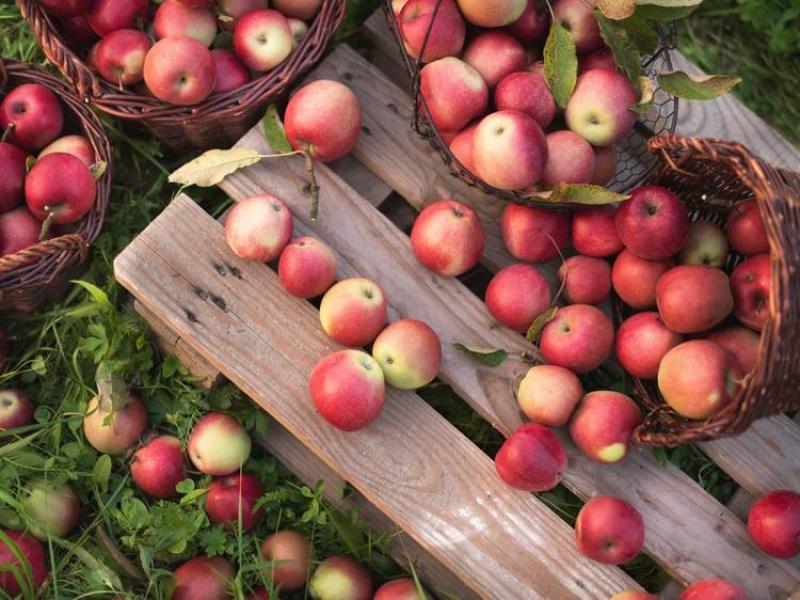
179	67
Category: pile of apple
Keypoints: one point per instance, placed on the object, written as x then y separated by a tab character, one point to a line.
59	187
180	68
485	89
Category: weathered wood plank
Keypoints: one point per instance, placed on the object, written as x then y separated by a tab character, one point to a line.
359	177
500	542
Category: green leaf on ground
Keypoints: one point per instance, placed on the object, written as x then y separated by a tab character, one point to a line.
560	64
703	87
493	357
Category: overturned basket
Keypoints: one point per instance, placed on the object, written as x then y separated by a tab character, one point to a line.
42	272
711	177
218	121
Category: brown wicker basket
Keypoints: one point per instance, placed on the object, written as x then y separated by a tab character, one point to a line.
42	272
712	176
218	121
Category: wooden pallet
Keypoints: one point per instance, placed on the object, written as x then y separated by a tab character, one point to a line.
471	519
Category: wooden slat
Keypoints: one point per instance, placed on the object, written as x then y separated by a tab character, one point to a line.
501	543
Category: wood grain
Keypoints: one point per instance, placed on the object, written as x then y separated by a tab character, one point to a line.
501	543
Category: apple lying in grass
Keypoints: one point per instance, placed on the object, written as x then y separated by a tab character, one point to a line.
259	228
609	530
175	19
603	425
579	338
706	244
741	343
492	14
599	109
353	312
218	444
746	230
33	574
307	267
585	279
653	223
16	409
774	523
114	431
517	295
262	39
19	229
532	24
594	232
77	145
454	92
54	509
751	283
230	73
107	16
577	17
340	578
230	495
66	8
531	459
549	394
693	298
642	341
713	589
298	9
444	32
179	70
289	556
12	176
570	159
409	353
495	54
400	589
535	234
526	92
447	238
605	164
36	116
157	467
61	186
635	279
120	56
202	578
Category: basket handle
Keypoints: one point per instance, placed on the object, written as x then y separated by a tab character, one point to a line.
70	243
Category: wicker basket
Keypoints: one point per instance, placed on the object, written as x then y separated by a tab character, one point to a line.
711	177
42	272
218	121
634	161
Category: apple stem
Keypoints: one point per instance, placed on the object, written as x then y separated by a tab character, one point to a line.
313	186
51	215
7	133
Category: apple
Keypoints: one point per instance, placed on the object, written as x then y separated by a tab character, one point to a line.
454	92
526	92
633	595
53	508
36	116
436	24
535	234
635	279
746	230
447	238
409	353
114	431
230	73
175	19
12	176
751	284
605	164
16	409
531	25
706	244
307	267
218	444
61	186
233	10
289	555
401	589
191	3
353	312
599	59
697	378
594	232
106	16
518	294
299	30
609	530
259	228
262	39
570	159
157	467
713	589
492	14
510	151
19	229
348	389
577	17
261	593
78	146
339	577
531	459
298	9
642	341
462	145
580	338
599	109
323	118
77	32
35	571
120	56
179	70
693	298
774	523
66	8
230	494
585	280
741	343
603	425
653	223
202	578
549	394
495	54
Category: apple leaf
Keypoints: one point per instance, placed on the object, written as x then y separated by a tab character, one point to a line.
666	10
213	166
704	87
647	89
29	162
274	130
617	9
101	472
560	64
660	456
579	193
643	36
535	330
98	169
626	53
493	357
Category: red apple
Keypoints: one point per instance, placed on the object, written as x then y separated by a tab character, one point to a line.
114	431
570	159
218	444
33	574
340	578
746	230
299	30
353	312
706	244
348	389
106	16
179	70
203	578
444	32
594	232
549	394
713	589
741	343
531	25
527	92
262	39
495	54
259	228
492	14
409	353
289	555
77	32
175	19
653	223
599	109
578	18
609	530
633	595
36	116
642	341
517	295
323	118
230	73
61	185
400	589
751	284
307	267
454	92
53	508
585	280
16	409
693	298
462	144
447	238
230	496
697	378
157	467
77	145
298	9
66	8
774	523
599	59
233	10
605	164
580	338
120	56
19	229
635	279
603	425
535	234
12	176
531	459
